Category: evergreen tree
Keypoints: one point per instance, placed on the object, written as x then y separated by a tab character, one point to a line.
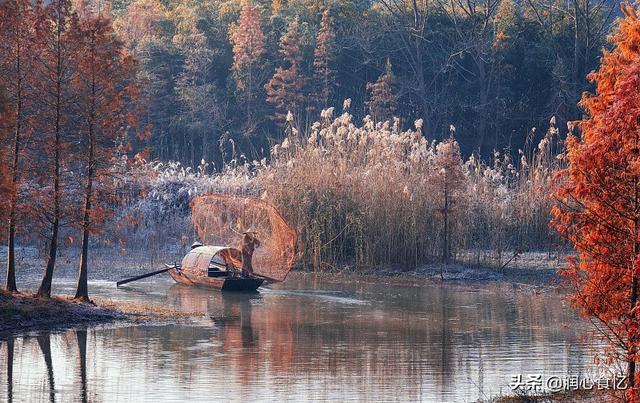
383	101
248	47
285	90
323	59
196	92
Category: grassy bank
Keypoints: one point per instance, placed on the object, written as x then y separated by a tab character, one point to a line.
24	311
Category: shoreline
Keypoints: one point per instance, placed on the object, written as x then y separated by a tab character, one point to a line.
454	274
21	313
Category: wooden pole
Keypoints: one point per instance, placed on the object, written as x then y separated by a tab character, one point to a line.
128	280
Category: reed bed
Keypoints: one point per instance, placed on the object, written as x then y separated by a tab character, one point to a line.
374	195
370	195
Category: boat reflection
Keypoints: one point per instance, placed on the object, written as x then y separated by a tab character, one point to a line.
230	313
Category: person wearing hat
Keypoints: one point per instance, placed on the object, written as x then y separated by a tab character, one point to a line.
249	244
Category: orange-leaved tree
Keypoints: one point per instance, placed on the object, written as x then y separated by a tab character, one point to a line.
285	90
248	47
17	49
56	69
106	91
598	206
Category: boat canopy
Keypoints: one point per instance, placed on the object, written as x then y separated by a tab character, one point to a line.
198	260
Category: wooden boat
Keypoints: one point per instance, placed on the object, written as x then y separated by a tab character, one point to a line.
219	218
214	267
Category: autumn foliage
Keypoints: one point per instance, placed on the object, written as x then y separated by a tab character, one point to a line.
68	108
286	88
248	47
599	209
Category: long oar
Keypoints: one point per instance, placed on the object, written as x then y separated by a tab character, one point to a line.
128	280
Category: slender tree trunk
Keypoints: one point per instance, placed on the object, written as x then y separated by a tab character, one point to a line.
576	51
82	291
45	286
11	256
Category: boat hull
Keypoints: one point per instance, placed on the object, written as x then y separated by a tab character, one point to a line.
221	283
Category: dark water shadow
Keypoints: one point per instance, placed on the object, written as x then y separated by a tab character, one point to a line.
44	341
10	343
81	336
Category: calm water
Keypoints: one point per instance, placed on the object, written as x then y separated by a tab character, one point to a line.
304	339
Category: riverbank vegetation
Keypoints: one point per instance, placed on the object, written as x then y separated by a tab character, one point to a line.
383	182
114	115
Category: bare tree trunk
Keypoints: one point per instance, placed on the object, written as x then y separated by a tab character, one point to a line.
82	291
45	286
11	254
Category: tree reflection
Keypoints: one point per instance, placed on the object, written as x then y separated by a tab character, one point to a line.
81	336
44	341
10	369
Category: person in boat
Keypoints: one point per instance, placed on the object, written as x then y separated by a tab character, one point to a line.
249	244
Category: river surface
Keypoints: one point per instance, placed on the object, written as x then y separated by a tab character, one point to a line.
304	339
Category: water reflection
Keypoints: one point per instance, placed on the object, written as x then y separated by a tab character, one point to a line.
35	383
307	340
9	356
81	336
44	341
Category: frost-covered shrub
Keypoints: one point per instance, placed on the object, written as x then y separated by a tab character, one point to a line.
160	215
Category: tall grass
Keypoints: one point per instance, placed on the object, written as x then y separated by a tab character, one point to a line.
369	195
375	195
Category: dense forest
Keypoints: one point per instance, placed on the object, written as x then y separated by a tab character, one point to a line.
418	118
222	74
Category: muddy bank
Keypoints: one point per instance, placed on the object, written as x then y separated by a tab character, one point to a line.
535	279
25	312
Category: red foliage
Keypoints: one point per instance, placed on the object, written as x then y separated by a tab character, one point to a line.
106	90
599	199
285	90
323	58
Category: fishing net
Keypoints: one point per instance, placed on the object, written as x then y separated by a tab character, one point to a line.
221	219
